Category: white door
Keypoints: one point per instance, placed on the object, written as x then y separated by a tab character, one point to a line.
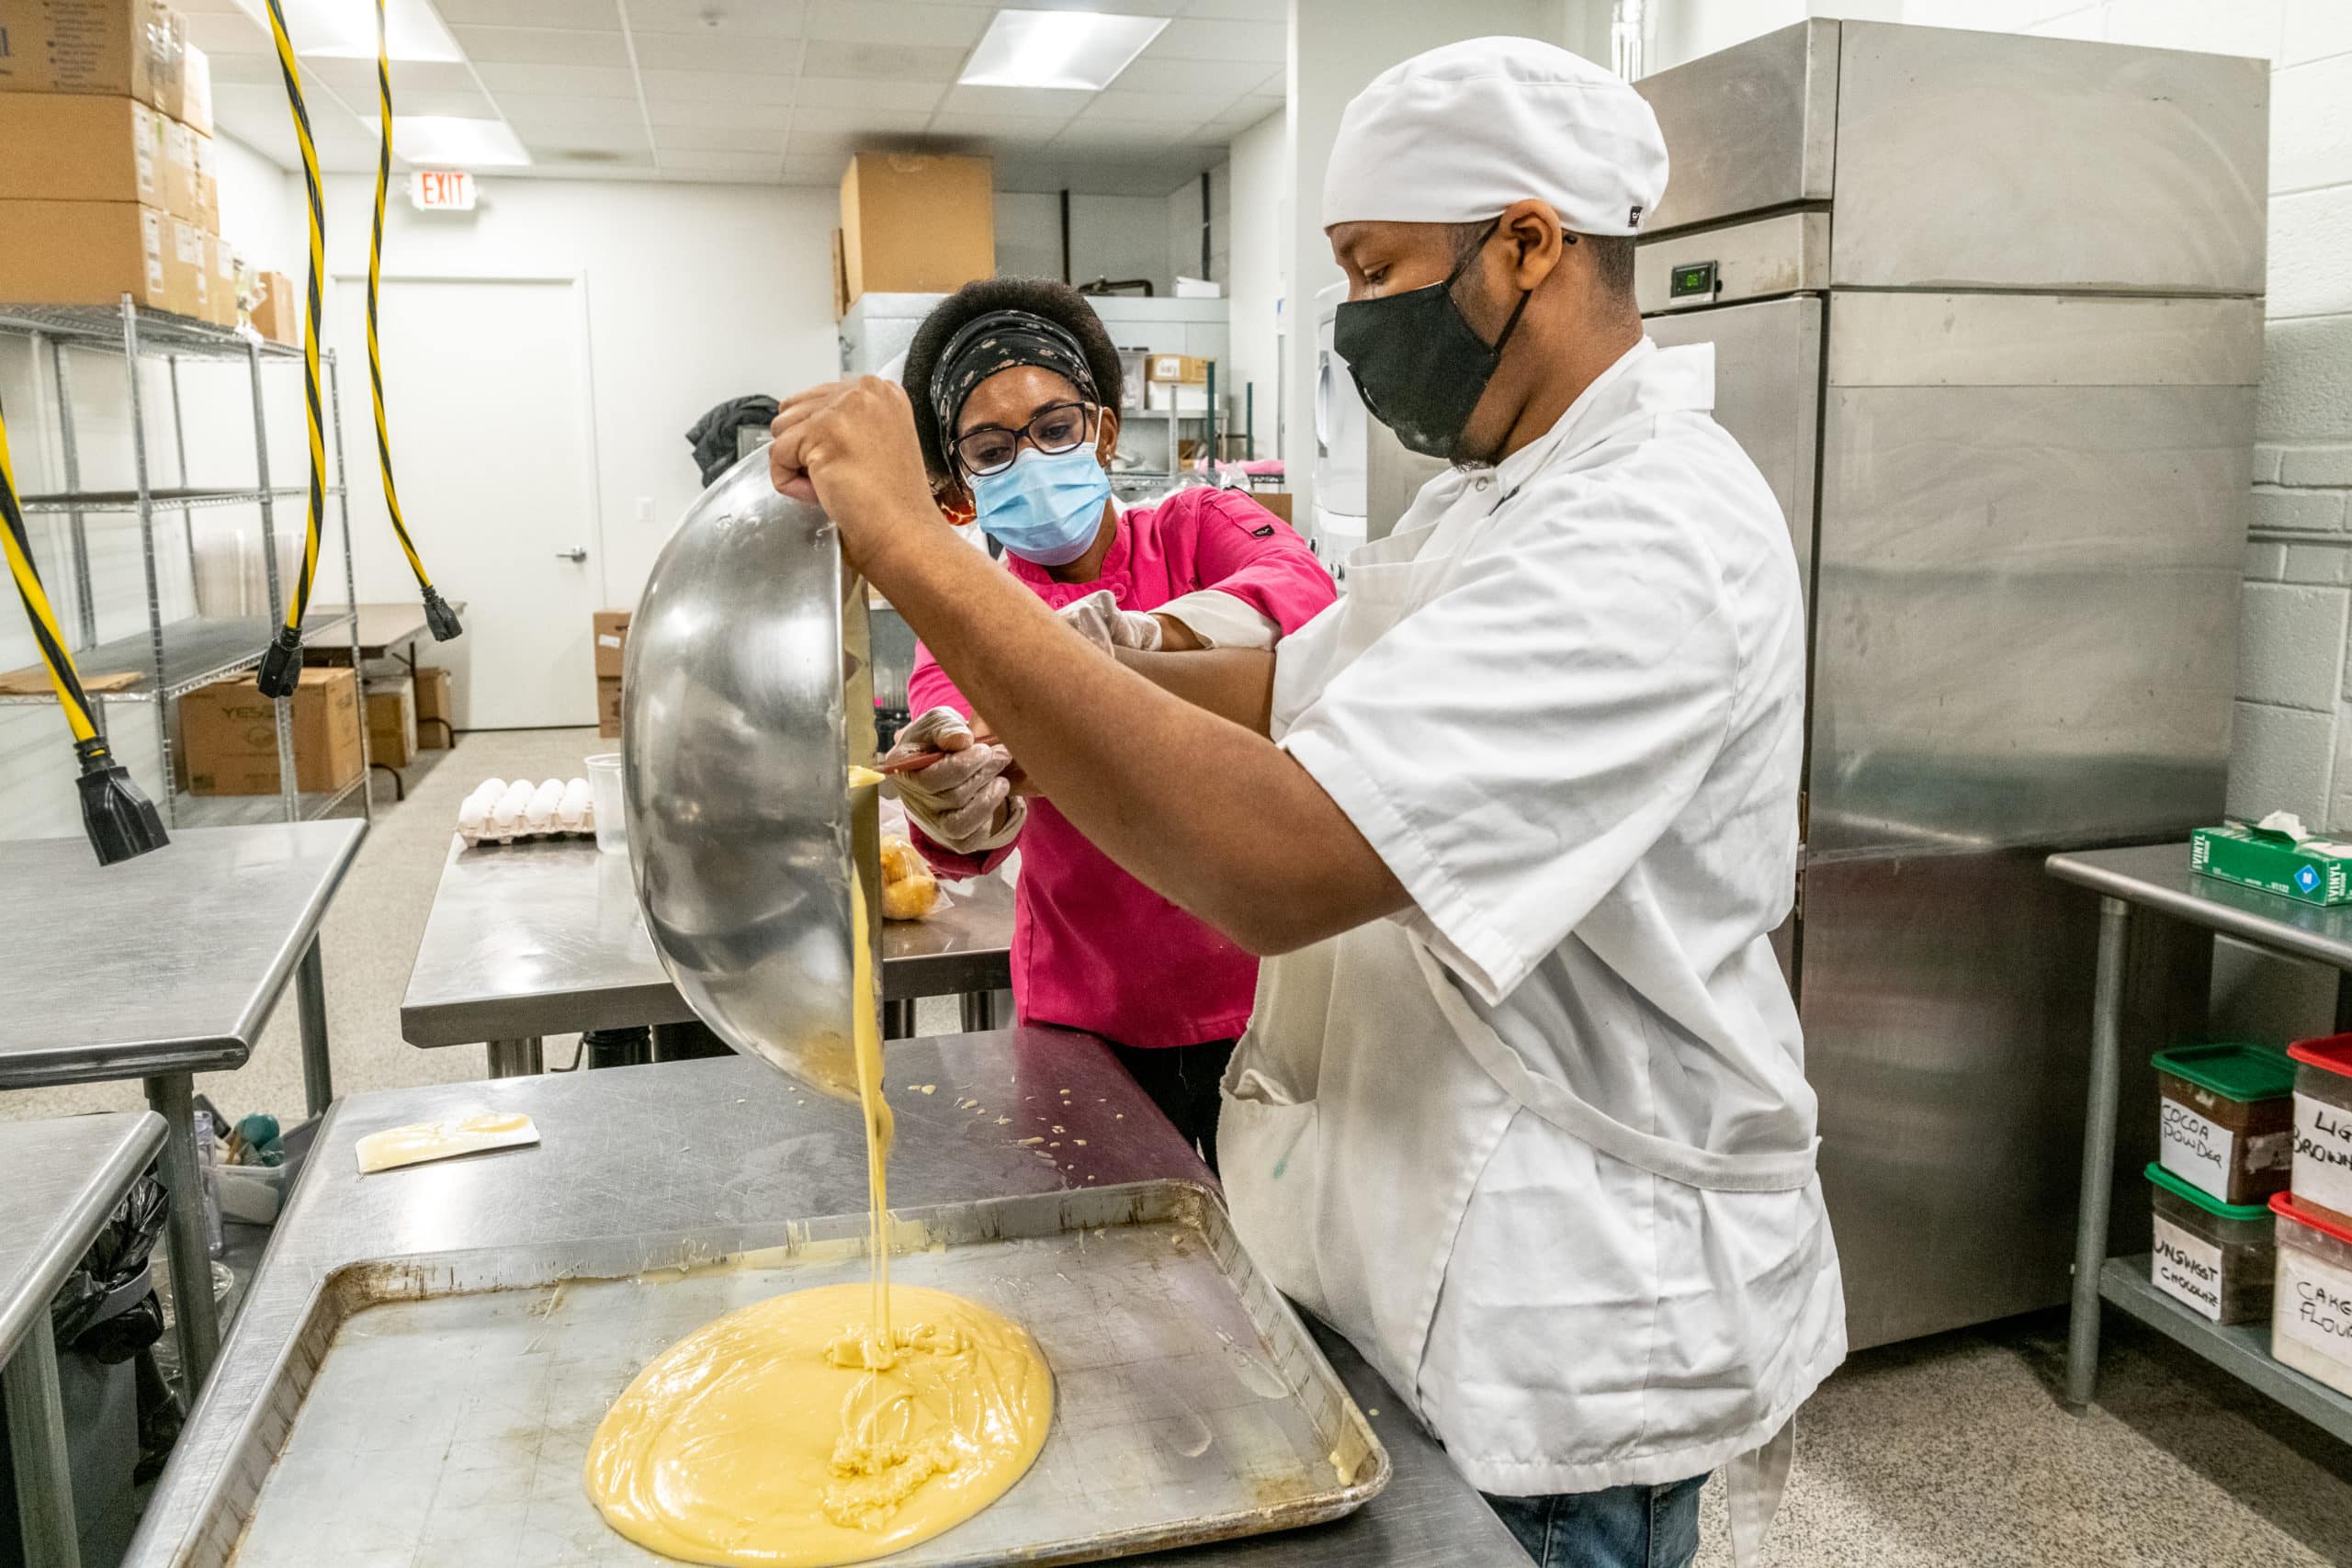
486	390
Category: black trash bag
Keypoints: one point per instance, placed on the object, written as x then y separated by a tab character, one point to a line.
115	1260
713	436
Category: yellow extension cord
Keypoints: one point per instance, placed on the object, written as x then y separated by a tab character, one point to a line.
281	666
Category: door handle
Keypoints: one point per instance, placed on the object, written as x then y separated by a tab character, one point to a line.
577	553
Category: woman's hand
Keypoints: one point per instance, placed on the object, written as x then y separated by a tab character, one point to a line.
850	447
964	800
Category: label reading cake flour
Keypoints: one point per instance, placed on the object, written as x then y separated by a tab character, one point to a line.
2322	1154
2314	1306
2188	1266
2197	1149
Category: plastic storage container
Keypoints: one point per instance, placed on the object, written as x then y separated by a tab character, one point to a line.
2321	1179
2311	1315
2217	1259
2228	1119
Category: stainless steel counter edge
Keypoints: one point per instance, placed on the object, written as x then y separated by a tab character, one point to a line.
2305	930
721	1140
98	1190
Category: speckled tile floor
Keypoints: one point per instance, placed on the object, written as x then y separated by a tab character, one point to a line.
1950	1452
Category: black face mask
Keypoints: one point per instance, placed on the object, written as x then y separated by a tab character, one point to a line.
1417	362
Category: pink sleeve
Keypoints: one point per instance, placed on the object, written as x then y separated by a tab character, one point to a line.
927	688
1242	548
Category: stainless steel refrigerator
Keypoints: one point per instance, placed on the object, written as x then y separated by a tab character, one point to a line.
1987	313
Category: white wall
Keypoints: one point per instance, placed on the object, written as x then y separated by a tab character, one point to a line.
1259	225
1110	236
1184	209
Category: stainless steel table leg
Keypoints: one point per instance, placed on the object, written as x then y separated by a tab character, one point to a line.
516	1058
37	1446
310	998
192	1306
2099	1150
986	1009
897	1018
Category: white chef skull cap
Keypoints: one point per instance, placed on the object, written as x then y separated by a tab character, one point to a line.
1459	133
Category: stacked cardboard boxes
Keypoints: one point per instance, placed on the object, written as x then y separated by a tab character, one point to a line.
612	646
105	155
436	716
914	223
392	720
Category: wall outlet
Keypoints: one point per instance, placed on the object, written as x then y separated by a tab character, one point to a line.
645	509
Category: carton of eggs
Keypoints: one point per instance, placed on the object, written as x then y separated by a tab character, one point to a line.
498	812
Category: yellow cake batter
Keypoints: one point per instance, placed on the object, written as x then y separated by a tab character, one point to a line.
798	1432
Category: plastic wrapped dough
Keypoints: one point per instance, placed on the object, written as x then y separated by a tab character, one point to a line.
909	892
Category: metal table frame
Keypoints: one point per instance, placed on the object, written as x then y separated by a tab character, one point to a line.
94	1159
529	939
2156	877
700	1145
61	1035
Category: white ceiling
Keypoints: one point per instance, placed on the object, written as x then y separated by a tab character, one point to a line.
776	91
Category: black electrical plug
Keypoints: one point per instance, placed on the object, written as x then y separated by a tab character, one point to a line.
439	616
119	819
281	666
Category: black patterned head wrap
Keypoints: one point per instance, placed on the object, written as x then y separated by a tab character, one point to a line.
999	341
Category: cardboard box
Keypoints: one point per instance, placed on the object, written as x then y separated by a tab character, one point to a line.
54	148
188	270
840	278
194	107
915	223
229	736
278	314
612	641
1176	368
91	253
207	181
608	705
223	264
179	171
436	718
2311	871
119	48
1274	500
392	720
1182	396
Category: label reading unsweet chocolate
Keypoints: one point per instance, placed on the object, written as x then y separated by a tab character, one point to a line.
2189	1267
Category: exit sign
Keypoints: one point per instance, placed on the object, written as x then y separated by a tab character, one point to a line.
441	190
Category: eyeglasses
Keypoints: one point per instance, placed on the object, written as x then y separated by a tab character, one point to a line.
1053	430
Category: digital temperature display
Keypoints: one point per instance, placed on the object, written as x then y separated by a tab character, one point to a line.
1697	278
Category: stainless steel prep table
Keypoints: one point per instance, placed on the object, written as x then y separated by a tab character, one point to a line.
2156	877
544	937
165	966
724	1141
65	1177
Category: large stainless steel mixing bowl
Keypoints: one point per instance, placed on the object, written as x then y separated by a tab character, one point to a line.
746	697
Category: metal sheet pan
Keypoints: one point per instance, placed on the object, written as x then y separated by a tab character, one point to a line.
438	1408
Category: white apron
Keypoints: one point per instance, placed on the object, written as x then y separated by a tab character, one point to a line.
1350	1171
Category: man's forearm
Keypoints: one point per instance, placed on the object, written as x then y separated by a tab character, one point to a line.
1236	684
1193	803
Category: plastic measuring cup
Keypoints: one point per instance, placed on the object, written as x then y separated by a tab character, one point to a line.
605	790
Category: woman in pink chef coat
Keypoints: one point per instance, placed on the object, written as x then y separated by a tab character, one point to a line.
1016	392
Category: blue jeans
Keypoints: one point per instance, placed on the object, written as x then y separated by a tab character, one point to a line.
1624	1527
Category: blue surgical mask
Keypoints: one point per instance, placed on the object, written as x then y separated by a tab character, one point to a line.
1046	510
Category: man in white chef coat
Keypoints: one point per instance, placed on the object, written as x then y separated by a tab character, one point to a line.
1523	1109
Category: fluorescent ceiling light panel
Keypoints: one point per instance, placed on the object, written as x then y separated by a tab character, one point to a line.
448	142
346	30
1076	49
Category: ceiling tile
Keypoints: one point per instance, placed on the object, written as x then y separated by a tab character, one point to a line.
1104	176
733	18
814	171
1012	130
1255	42
1083	133
718	52
355	79
257	70
1154	73
859	122
592	15
1239	117
740	165
229	32
583	81
717	139
826	91
896	21
1274	11
614	136
718	112
541	46
822	145
1174	110
256	116
884	61
1051	102
725	86
554	110
468	105
590	164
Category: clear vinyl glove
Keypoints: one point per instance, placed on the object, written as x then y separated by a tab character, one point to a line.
1098	618
963	801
